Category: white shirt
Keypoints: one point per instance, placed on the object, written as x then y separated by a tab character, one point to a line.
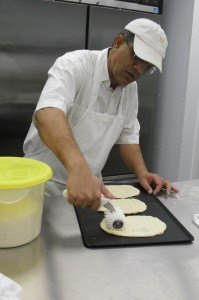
67	82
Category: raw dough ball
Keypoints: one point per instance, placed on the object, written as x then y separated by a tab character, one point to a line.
123	191
137	226
128	206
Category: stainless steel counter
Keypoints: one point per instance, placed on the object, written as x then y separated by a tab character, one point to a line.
57	266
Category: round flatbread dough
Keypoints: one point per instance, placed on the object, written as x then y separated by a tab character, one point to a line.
128	206
137	226
123	191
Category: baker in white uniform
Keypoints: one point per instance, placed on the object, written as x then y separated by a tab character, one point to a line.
88	104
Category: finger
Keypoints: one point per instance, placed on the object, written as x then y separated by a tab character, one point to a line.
96	205
158	188
72	201
146	186
106	192
174	189
82	204
93	204
157	183
167	186
69	196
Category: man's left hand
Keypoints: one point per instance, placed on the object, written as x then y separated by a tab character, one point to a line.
153	184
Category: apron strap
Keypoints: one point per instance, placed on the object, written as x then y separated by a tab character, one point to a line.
95	93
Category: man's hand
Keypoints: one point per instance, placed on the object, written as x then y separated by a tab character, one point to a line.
84	189
153	183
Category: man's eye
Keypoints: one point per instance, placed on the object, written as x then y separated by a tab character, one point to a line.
149	66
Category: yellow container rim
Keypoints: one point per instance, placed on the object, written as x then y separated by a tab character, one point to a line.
21	172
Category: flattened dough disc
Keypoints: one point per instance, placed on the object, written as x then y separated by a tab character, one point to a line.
123	191
137	226
128	206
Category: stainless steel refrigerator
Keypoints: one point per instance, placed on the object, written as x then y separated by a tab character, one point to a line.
33	33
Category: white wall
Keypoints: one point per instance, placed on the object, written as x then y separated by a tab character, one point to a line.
189	160
175	140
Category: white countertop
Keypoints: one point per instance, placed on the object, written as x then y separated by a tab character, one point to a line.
57	266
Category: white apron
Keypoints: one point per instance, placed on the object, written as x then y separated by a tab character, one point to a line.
95	134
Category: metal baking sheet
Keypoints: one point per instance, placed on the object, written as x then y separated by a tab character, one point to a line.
94	237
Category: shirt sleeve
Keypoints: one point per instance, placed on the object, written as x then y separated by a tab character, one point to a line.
131	130
63	82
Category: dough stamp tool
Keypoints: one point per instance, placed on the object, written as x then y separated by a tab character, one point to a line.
114	215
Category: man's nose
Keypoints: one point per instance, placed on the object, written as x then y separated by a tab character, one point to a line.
139	67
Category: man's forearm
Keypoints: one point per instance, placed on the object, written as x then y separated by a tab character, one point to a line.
55	132
132	156
84	188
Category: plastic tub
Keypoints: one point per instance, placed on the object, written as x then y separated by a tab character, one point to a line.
22	183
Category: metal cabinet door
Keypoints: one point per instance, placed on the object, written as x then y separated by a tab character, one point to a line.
33	33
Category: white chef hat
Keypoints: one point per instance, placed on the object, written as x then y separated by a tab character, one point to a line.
150	41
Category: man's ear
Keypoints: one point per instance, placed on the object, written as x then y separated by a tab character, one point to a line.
119	39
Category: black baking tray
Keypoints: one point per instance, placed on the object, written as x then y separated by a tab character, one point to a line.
94	237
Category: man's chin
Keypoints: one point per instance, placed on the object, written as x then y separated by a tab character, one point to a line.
125	83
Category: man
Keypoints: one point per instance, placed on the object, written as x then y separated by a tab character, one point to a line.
90	103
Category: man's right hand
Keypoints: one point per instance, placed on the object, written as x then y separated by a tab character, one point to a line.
84	189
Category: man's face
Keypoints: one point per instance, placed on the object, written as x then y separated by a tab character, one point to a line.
123	67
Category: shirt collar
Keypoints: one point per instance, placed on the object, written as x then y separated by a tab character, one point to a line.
104	75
